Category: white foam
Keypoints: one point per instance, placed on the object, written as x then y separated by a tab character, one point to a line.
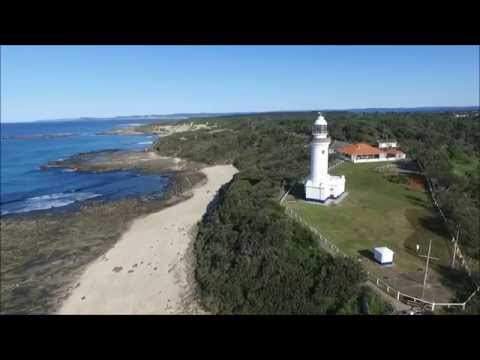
145	143
50	201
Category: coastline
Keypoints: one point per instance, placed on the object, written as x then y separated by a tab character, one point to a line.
44	252
149	270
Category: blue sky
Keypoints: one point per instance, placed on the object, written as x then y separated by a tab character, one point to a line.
49	82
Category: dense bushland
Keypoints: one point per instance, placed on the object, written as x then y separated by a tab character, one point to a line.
251	258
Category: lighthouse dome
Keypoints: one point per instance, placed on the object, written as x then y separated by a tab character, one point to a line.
320	120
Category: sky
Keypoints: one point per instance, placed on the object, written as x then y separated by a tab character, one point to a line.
57	82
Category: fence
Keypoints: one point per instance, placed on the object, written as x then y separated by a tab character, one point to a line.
412	300
337	164
456	247
323	241
397	294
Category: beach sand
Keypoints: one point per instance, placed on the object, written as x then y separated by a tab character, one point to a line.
149	270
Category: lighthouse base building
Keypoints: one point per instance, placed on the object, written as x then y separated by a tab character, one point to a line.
320	185
329	188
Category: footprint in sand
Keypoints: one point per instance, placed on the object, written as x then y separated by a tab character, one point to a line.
83	297
135	265
130	271
154	268
117	269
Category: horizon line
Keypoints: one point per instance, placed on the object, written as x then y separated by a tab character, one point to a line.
241	112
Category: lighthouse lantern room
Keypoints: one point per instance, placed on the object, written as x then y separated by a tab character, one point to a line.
320	185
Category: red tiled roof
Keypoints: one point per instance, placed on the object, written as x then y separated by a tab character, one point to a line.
359	149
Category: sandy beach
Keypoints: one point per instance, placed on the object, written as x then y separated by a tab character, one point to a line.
148	271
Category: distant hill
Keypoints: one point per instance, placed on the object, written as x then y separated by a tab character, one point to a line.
176	116
180	116
132	117
419	109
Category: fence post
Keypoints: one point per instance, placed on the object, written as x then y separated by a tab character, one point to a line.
433	306
377	281
398	295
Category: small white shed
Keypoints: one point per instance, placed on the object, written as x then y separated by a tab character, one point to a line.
383	255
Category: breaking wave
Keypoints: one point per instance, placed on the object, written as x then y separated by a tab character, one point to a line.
45	202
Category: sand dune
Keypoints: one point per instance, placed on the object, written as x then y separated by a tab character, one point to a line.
148	270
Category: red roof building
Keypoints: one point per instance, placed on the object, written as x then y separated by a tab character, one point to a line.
367	153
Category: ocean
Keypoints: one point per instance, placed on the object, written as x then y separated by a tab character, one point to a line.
25	147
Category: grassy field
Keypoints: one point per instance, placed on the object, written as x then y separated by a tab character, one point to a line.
378	212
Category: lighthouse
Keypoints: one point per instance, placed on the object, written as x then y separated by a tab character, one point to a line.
320	185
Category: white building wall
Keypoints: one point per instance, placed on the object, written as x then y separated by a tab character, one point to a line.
373	160
337	185
383	257
381	158
312	192
319	161
383	145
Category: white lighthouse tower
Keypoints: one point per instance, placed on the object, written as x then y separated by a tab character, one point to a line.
321	186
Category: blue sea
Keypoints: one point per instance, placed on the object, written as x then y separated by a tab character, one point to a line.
26	146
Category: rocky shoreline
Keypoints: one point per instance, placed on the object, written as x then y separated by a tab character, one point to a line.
43	254
146	161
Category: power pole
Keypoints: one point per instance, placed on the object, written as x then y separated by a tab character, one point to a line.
455	246
426	268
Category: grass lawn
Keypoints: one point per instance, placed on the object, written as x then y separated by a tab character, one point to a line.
378	212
